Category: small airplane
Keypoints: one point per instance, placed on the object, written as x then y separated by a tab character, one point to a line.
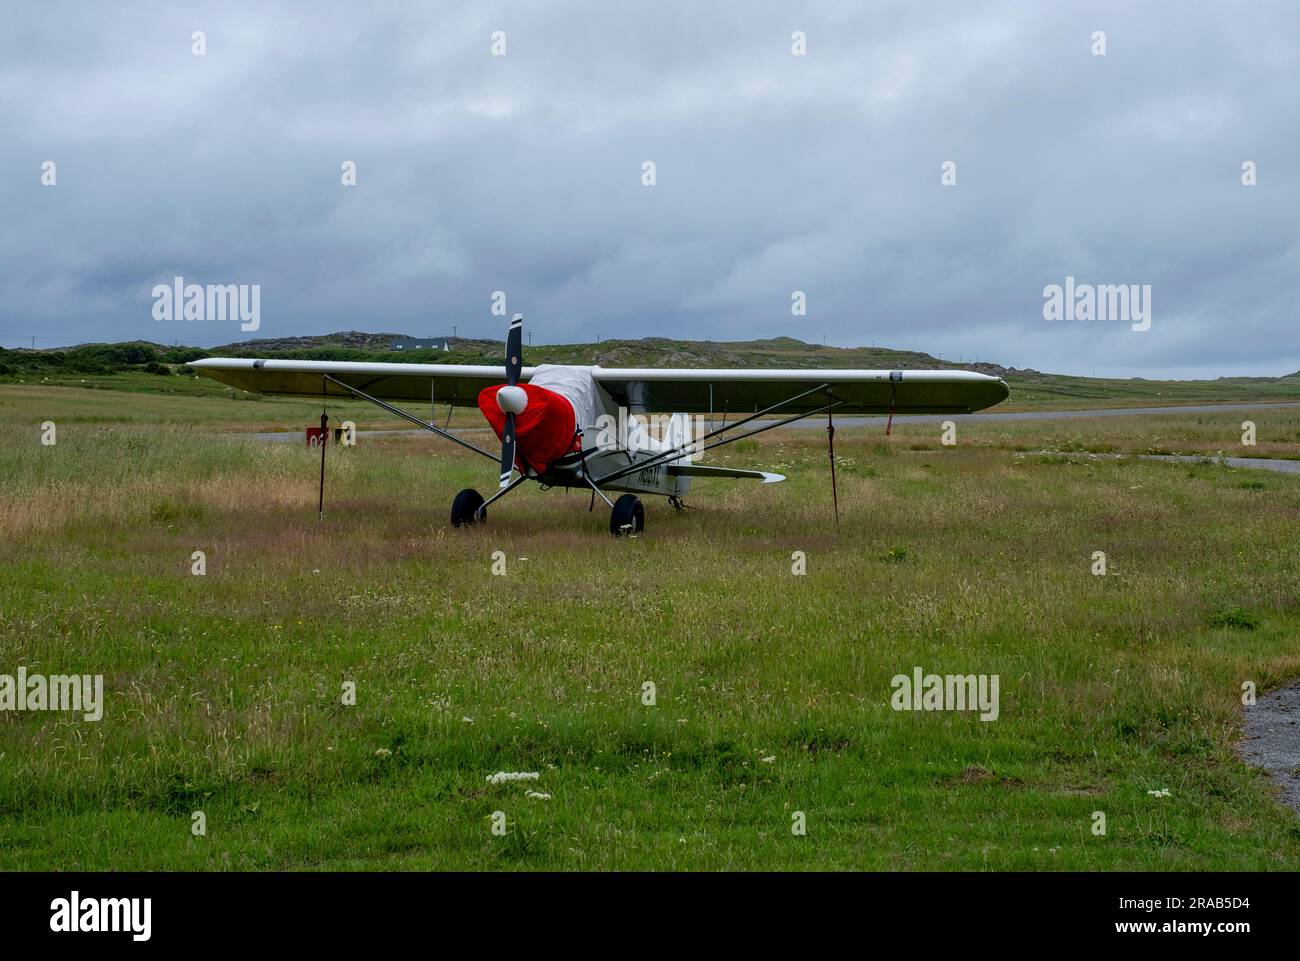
583	427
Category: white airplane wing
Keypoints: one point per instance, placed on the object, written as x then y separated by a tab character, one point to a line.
457	384
642	390
746	391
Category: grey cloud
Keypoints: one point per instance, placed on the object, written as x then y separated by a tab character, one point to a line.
775	173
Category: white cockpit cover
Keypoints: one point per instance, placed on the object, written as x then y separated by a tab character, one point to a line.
575	384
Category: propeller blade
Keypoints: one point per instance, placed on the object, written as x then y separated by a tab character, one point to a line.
515	350
508	450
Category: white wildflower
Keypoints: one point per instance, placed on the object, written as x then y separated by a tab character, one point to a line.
502	776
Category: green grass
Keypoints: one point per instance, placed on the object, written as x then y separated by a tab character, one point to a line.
124	400
223	691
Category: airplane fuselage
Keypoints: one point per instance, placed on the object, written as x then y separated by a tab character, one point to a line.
577	433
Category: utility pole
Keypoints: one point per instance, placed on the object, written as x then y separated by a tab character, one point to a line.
453	330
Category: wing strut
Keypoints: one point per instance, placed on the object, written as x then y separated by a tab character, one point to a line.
830	442
411	417
324	438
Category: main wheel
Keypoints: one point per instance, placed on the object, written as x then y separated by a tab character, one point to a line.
464	509
627	517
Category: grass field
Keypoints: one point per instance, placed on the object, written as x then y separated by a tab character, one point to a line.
223	692
187	403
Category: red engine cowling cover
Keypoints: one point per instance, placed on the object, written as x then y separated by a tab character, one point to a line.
544	432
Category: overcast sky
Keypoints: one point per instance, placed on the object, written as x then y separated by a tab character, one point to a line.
774	173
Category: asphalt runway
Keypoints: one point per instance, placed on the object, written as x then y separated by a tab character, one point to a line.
1272	740
1046	414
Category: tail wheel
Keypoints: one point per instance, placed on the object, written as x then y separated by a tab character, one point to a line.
627	517
465	508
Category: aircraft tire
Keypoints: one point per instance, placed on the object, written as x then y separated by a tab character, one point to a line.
627	517
465	508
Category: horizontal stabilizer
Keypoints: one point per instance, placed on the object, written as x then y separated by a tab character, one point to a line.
699	470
